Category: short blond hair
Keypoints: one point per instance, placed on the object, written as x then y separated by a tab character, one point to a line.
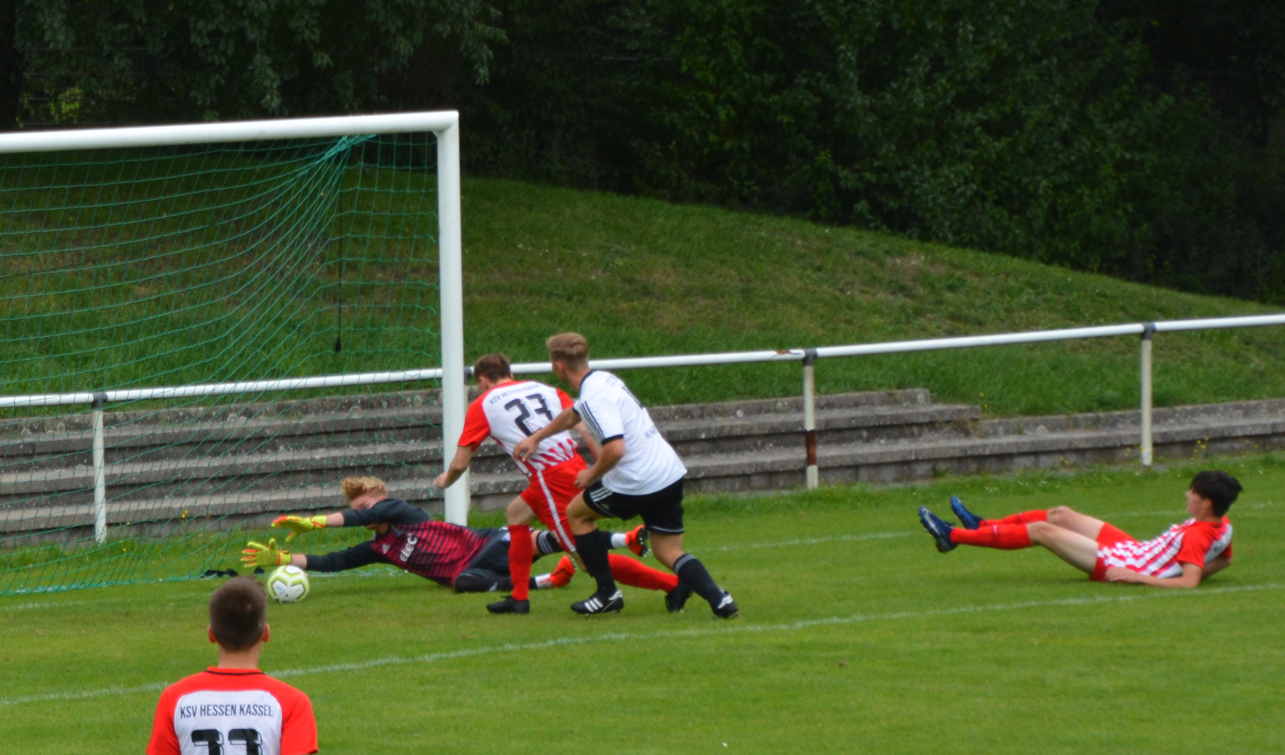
354	487
569	348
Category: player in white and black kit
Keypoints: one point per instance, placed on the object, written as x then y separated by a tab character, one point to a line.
637	473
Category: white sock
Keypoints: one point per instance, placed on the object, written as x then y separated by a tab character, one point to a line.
543	581
618	539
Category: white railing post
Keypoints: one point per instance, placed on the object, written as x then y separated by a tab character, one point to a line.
810	416
451	284
1147	331
100	473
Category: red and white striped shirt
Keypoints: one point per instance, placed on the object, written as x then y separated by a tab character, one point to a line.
514	411
1191	542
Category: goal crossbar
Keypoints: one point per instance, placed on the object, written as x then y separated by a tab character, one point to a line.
443	124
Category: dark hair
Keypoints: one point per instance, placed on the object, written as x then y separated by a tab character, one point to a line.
238	613
493	367
1218	487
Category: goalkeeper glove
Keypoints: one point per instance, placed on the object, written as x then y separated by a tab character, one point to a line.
258	554
297	524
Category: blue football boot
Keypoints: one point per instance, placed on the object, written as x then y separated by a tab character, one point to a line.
937	528
968	519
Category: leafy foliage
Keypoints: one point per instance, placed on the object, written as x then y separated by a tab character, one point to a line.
159	60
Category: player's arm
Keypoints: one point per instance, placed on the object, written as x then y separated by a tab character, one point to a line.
595	449
608	457
1191	575
564	421
1215	566
457	468
301	524
361	554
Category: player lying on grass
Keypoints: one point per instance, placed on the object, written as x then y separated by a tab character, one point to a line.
467	559
510	411
234	707
1179	557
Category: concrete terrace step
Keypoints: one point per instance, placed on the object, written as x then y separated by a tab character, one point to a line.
238	464
886	462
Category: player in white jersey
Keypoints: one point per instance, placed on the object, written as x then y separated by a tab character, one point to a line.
1181	556
510	411
636	473
234	707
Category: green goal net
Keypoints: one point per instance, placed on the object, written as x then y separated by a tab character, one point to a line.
199	265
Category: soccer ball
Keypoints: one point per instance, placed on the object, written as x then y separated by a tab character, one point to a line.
288	584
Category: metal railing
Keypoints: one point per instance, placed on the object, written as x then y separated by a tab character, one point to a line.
807	357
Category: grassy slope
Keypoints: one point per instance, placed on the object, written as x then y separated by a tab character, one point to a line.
641	277
856	636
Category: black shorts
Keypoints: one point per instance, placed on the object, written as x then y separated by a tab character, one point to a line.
661	511
494	556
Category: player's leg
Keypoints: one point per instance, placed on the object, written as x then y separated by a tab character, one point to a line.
628	571
1069	519
521	553
592	549
1061	516
662	512
1072	547
481	580
971	521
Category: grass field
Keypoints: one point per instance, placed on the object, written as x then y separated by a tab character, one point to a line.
855	636
641	277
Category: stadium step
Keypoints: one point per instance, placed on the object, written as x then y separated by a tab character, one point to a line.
244	463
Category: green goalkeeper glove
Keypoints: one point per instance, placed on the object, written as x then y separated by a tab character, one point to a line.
258	554
297	524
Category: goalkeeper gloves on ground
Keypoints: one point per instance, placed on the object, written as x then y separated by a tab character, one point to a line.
297	524
258	554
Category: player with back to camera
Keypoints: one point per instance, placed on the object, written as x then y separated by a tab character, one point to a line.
637	473
510	411
1179	557
465	558
234	707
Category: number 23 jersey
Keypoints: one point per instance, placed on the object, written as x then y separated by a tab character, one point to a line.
513	411
231	712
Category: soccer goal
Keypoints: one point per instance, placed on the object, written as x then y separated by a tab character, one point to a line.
206	325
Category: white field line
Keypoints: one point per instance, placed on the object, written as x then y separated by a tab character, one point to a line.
652	636
810	541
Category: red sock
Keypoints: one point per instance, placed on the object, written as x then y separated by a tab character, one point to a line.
1026	517
1006	537
520	554
636	574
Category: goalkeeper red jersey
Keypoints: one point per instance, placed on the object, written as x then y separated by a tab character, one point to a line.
436	550
232	711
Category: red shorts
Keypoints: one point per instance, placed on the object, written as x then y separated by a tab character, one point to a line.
550	491
1108	537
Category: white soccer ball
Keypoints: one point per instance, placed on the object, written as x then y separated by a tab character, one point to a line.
288	584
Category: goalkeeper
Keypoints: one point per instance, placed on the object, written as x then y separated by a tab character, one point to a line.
467	559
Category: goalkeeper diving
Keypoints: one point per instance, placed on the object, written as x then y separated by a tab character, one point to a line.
465	558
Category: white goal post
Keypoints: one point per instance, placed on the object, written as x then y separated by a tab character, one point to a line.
444	125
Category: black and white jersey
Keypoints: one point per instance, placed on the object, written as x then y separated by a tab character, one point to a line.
610	411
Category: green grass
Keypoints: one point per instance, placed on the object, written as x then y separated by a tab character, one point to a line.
641	277
856	636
